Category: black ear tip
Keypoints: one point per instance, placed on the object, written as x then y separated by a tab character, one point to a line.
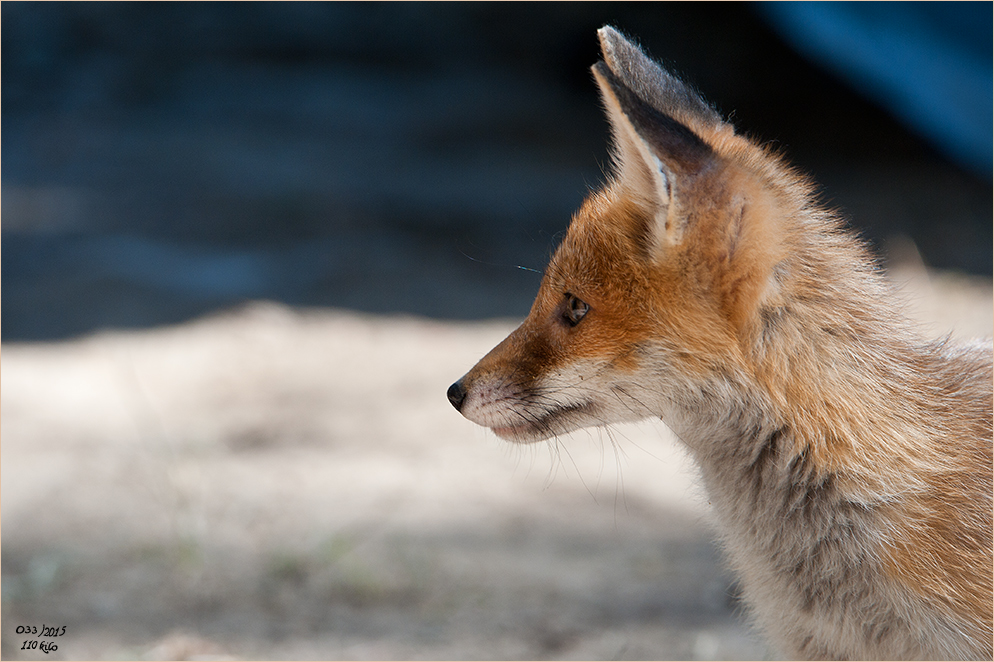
600	68
608	38
456	395
609	33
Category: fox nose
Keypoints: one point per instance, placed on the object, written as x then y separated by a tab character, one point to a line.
456	395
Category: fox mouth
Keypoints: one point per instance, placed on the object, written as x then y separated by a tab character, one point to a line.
557	421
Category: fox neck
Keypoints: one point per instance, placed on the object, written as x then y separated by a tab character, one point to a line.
786	501
846	402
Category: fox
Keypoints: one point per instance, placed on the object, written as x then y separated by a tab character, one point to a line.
847	458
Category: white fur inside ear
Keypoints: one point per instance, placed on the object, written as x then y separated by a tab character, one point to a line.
661	182
656	188
640	170
637	168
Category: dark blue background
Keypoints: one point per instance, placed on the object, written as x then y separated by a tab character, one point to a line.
163	160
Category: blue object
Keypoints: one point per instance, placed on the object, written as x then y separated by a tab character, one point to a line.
928	63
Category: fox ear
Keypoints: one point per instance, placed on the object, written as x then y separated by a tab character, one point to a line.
656	157
653	84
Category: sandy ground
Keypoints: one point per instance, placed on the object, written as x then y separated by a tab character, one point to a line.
292	484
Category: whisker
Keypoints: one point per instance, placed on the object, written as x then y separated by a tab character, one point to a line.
619	474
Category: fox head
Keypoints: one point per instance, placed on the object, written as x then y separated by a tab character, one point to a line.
665	280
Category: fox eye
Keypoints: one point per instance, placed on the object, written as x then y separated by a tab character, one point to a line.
575	310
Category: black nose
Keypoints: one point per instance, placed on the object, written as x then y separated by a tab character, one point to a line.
456	395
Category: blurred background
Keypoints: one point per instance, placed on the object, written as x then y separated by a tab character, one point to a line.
164	160
246	248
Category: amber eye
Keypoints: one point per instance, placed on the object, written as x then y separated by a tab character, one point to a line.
575	310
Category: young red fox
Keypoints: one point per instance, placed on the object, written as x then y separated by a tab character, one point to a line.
847	459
